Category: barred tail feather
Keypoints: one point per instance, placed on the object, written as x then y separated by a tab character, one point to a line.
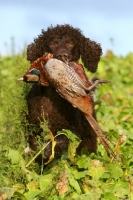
99	133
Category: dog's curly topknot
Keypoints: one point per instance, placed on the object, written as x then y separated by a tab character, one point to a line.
89	50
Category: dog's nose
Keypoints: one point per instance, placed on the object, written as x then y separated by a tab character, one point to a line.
62	55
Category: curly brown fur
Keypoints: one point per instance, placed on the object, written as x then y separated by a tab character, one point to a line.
71	43
89	51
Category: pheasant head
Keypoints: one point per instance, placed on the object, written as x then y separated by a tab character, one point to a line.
32	76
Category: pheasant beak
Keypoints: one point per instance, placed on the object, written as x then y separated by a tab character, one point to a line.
20	79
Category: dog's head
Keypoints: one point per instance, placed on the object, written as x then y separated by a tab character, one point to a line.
66	43
62	47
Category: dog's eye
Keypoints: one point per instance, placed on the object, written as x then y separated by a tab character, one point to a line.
70	44
53	44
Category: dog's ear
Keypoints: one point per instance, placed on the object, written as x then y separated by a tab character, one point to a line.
90	52
38	47
31	52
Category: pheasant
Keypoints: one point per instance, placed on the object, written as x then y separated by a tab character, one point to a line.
71	82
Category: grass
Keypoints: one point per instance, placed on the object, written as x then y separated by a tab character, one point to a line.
70	177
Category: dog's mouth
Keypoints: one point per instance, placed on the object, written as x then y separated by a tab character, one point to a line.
63	56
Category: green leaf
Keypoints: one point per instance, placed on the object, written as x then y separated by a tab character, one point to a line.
83	162
79	175
122	188
19	187
96	170
74	142
115	170
32	185
32	194
130	136
105	175
89	196
14	156
74	184
31	175
45	181
19	196
131	196
109	196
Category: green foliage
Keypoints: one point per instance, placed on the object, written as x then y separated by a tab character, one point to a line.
72	176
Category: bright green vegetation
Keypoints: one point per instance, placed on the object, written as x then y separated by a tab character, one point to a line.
71	177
